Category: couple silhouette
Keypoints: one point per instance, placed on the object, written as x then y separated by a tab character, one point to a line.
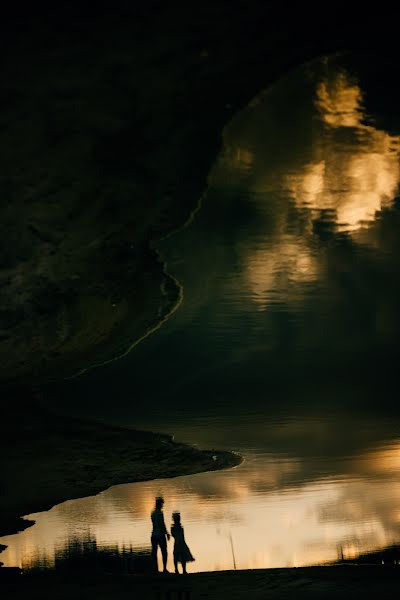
160	536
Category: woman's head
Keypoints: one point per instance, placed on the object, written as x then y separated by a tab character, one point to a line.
176	517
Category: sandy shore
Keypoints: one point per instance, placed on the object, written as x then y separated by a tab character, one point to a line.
336	582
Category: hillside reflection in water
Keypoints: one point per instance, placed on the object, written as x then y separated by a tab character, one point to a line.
284	348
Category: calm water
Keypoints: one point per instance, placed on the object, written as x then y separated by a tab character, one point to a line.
284	348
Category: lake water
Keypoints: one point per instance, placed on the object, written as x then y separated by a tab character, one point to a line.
284	348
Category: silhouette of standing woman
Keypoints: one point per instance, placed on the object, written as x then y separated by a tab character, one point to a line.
159	535
182	553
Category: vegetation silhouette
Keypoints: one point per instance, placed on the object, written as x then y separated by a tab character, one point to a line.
84	556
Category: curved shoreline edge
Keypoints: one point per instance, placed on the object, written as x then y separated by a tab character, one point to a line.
163	318
82	458
170	308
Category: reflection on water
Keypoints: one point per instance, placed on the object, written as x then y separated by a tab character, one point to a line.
82	554
283	349
356	180
279	510
345	173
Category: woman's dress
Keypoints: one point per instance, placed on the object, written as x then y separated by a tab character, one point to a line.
181	549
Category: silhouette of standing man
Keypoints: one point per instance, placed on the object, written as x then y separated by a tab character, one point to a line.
159	535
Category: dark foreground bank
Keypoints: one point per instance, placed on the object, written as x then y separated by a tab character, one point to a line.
46	459
351	581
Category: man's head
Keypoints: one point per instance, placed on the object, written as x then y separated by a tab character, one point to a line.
159	502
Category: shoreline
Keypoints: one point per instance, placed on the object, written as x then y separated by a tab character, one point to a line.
60	458
169	278
164	314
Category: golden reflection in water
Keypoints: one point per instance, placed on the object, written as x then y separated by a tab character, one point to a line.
356	188
356	176
276	267
274	520
324	159
381	461
339	101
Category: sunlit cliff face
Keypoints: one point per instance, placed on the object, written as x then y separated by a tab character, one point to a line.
355	173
